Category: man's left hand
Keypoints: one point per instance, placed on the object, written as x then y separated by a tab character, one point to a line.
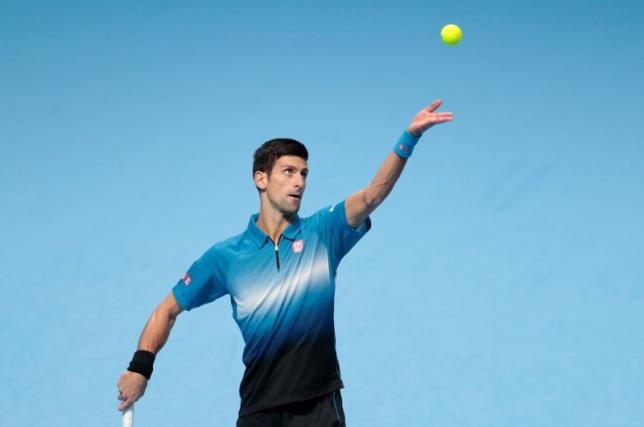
427	118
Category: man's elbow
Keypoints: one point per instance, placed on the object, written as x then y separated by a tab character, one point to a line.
373	199
169	308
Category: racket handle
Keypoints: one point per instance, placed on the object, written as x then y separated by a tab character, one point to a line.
128	417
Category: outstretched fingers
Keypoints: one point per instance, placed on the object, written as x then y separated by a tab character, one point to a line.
434	105
441	117
428	117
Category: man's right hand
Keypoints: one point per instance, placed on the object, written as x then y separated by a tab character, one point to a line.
131	387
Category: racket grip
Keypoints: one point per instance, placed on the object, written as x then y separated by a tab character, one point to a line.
128	417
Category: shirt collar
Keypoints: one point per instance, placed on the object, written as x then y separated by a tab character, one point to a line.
293	228
260	238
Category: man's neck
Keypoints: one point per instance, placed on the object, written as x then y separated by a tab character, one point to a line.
273	222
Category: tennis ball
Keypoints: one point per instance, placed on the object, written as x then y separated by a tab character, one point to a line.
451	34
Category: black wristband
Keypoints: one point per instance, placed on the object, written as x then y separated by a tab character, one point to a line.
142	363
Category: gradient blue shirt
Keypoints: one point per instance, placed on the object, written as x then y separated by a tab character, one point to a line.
282	297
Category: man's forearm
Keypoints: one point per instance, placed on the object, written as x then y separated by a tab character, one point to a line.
384	181
157	329
133	382
361	204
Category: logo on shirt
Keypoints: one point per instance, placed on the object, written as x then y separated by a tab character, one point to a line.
331	208
187	279
298	245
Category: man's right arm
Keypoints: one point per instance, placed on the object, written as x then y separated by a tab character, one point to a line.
132	385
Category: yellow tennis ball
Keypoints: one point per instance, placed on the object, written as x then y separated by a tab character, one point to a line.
451	34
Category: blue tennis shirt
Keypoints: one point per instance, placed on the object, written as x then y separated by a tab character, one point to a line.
282	297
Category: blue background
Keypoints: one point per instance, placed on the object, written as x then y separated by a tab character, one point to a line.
500	286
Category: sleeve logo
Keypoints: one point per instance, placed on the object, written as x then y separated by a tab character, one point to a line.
186	279
298	245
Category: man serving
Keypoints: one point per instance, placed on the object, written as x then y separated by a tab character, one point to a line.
280	276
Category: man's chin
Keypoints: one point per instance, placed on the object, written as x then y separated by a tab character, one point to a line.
291	209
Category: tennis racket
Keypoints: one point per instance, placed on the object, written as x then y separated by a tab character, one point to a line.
128	417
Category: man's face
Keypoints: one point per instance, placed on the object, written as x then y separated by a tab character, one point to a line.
285	185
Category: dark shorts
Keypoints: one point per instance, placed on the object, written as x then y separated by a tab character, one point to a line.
323	411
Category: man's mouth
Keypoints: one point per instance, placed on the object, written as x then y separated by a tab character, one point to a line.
296	196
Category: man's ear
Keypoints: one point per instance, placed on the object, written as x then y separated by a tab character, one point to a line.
261	180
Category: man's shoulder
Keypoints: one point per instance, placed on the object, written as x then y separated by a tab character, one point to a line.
324	212
231	244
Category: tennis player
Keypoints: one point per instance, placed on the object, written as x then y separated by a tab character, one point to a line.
280	276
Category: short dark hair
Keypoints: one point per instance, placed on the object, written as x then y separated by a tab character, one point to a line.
266	155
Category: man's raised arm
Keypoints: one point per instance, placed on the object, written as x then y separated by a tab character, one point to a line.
359	205
133	382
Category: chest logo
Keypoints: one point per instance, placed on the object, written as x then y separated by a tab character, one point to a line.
298	245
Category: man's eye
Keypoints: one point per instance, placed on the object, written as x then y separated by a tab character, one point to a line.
288	171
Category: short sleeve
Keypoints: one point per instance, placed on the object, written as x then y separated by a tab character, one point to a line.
337	232
203	282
